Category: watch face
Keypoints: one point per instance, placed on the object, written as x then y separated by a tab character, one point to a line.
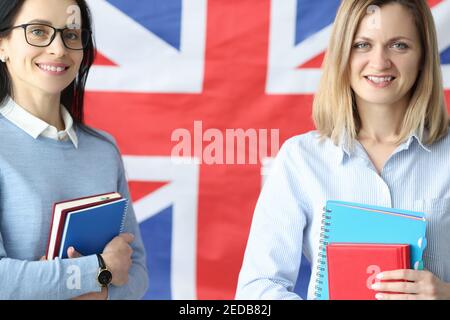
104	277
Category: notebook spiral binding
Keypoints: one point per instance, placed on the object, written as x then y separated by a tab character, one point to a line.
125	210
322	260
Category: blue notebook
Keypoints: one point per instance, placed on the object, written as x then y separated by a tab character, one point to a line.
89	230
359	223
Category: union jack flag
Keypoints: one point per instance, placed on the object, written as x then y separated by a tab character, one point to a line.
162	65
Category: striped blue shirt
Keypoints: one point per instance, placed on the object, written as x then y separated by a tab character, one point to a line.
306	173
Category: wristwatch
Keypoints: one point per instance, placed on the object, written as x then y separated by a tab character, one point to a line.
104	276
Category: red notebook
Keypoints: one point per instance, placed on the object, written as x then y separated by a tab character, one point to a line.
60	211
352	267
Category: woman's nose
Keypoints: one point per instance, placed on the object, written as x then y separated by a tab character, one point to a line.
380	59
57	46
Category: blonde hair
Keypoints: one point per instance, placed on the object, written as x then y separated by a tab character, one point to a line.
334	107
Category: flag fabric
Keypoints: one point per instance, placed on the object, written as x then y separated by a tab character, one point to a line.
199	69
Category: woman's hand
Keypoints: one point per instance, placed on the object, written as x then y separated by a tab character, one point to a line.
420	285
117	256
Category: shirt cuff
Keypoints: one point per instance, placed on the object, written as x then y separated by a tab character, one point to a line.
82	275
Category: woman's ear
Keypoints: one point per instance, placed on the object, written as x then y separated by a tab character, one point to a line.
3	54
2	47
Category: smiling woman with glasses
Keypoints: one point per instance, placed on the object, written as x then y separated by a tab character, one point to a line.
42	35
48	154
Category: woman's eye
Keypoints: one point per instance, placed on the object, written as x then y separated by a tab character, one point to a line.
361	45
38	32
400	45
71	36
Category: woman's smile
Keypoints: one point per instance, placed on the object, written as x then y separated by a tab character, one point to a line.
380	82
54	69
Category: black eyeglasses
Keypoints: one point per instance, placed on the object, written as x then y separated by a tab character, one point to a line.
42	35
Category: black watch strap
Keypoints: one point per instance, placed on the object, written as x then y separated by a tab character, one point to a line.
101	262
104	276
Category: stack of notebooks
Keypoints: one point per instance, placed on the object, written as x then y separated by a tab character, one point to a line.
87	224
359	241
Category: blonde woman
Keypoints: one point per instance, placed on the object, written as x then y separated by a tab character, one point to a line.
382	138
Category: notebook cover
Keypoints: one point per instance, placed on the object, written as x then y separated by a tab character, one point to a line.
63	218
89	230
62	223
359	223
352	267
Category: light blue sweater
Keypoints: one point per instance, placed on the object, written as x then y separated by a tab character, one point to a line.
33	175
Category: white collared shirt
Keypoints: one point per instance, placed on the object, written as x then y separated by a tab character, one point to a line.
287	222
36	127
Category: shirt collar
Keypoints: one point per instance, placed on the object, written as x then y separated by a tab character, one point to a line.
31	124
421	140
68	123
346	146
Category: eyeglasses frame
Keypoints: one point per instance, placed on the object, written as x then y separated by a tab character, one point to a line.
55	31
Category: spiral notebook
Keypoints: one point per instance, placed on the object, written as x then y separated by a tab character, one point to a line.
90	229
359	223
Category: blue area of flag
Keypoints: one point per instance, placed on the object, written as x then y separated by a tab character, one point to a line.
156	234
312	16
163	18
445	56
304	275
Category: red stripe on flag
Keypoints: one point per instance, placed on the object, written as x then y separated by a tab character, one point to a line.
432	3
447	98
101	60
140	189
314	63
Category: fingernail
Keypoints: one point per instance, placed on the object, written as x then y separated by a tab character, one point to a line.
379	296
376	286
379	276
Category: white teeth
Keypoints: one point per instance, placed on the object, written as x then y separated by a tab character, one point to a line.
380	79
51	68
